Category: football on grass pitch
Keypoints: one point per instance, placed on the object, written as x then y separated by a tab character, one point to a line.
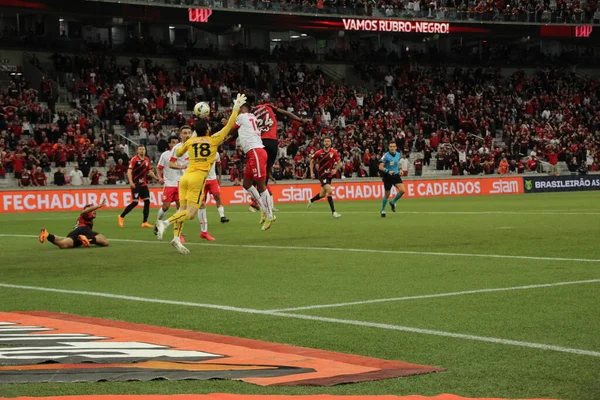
202	110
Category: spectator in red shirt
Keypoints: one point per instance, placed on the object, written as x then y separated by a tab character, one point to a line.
434	142
39	177
348	169
95	176
102	157
46	147
121	170
300	172
25	179
532	164
418	167
112	176
552	154
455	169
18	161
234	174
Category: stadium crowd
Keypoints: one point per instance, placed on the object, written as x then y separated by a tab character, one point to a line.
448	118
549	11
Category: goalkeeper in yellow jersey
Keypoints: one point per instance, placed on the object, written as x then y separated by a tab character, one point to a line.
202	152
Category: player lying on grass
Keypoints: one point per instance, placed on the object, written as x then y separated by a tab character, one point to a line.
82	234
202	152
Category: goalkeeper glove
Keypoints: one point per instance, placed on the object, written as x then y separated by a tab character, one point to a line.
239	102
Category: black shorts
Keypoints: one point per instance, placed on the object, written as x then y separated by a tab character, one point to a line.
81	230
140	192
391	180
271	147
325	180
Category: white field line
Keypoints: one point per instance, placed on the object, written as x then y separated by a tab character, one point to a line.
400	328
349	250
431	296
375	211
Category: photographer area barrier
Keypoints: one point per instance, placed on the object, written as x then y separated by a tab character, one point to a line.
542	184
119	196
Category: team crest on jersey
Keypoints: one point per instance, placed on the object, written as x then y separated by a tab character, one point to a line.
52	347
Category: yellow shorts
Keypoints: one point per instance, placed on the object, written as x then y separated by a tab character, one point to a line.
191	188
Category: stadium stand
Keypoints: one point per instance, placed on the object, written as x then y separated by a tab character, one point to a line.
544	11
447	120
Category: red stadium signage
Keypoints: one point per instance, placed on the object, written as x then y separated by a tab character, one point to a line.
583	31
199	14
119	197
382	25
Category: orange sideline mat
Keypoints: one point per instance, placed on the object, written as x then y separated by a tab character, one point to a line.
38	347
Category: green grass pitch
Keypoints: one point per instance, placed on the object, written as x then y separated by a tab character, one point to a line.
431	247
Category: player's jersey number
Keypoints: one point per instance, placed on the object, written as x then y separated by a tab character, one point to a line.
201	149
265	123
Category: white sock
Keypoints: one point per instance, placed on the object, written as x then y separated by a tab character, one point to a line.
257	197
271	202
203	220
221	211
161	214
267	201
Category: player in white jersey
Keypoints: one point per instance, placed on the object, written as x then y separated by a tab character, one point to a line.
211	186
171	168
255	171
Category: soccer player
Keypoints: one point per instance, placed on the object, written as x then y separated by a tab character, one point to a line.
170	175
202	151
255	171
391	177
137	174
327	162
211	187
176	167
267	123
82	234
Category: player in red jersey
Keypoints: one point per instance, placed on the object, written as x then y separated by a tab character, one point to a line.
327	162
139	169
267	124
83	233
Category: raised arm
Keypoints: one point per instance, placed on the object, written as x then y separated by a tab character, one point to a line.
182	150
239	102
290	115
94	208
